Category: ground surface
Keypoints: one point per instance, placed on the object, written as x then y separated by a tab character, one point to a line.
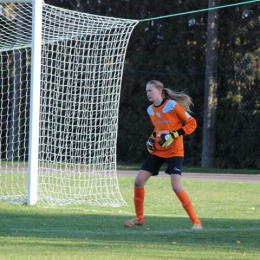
203	176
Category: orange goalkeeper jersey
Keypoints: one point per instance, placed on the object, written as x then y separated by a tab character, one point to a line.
165	118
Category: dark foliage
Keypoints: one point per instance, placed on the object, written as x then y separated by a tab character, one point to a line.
172	50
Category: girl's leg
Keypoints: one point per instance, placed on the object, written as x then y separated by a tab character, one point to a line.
139	193
184	198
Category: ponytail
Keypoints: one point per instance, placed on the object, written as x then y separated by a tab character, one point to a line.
180	97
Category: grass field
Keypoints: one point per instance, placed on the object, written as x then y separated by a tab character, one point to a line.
230	212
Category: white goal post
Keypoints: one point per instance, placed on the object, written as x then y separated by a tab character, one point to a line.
60	82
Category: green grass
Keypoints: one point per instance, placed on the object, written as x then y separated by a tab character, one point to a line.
230	212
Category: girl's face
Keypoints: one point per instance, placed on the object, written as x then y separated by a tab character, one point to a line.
154	95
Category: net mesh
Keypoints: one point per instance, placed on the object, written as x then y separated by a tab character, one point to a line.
81	72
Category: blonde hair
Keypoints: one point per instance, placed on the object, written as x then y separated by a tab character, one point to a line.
180	97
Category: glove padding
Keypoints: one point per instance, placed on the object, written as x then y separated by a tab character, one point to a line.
167	139
150	143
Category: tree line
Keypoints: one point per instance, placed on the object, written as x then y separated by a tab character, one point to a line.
213	56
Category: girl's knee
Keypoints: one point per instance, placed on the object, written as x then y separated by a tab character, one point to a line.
177	189
141	178
176	183
138	183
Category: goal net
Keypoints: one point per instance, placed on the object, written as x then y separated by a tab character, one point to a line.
82	59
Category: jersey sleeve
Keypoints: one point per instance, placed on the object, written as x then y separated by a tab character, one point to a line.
190	123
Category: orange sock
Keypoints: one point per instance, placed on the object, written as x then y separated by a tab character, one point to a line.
139	202
186	203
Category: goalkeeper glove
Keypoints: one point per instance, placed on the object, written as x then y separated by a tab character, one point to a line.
150	142
167	139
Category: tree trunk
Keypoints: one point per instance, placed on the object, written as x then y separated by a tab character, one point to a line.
210	88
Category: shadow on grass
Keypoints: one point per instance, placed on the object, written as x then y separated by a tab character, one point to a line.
110	227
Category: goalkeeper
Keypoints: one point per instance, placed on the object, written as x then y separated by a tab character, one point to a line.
169	113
